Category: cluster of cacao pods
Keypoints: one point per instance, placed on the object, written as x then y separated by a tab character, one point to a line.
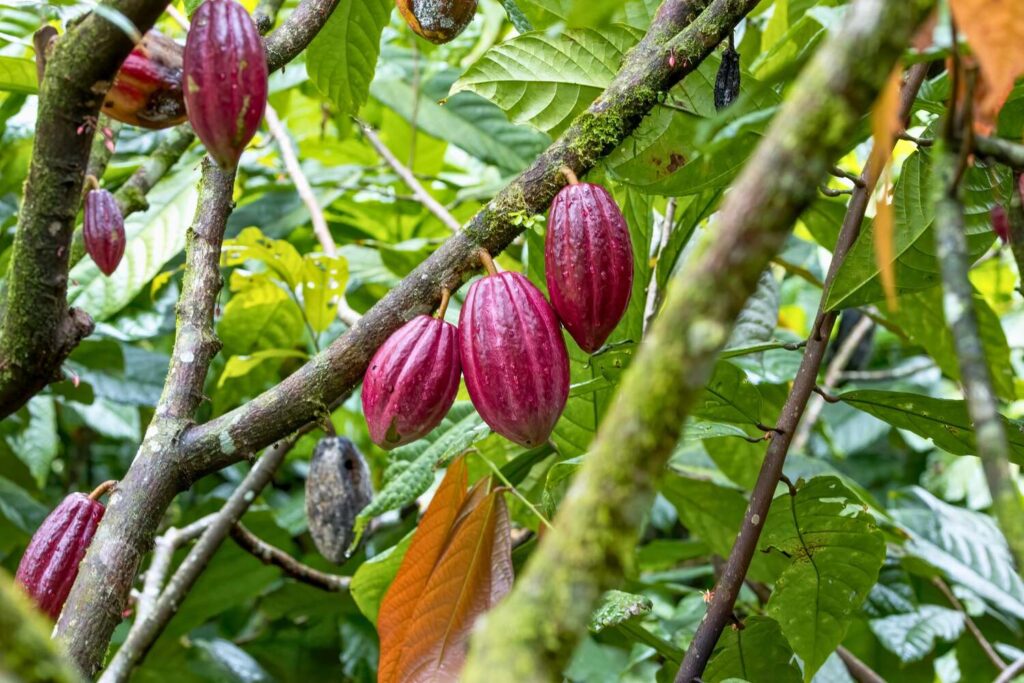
103	230
50	564
439	21
509	344
218	81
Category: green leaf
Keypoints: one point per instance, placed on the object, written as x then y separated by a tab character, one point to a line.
240	366
412	467
18	75
731	397
373	577
154	238
943	421
259	317
323	281
964	545
921	316
857	282
38	442
835	553
711	512
618	607
912	636
226	662
758	652
342	59
279	256
546	81
20	508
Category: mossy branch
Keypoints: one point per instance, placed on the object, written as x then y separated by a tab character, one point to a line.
531	633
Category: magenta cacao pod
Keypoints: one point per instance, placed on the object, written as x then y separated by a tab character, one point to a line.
589	263
513	357
225	79
103	230
411	381
50	563
1000	223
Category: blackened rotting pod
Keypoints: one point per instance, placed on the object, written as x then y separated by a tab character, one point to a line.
337	489
727	83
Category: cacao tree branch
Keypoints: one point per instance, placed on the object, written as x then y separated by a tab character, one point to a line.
272	555
958	305
728	586
530	635
38	329
983	642
647	71
861	672
1004	151
160	564
1015	215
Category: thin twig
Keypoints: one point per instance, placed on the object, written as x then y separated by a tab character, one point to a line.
861	672
986	646
272	555
421	194
1004	151
899	372
163	555
1010	672
667	223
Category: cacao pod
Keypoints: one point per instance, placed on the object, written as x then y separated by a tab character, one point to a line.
103	230
225	79
337	488
727	82
513	357
50	563
411	381
147	90
439	21
588	262
1000	223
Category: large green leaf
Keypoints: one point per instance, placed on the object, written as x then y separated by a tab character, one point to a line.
373	577
37	443
921	316
259	317
711	512
857	282
544	80
943	421
342	59
18	507
757	653
964	545
18	75
835	553
731	397
913	635
154	238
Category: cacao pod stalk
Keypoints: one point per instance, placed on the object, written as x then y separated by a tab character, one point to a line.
147	90
103	230
439	21
588	262
412	380
50	564
225	79
338	487
513	356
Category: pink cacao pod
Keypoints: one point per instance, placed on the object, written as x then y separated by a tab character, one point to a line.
103	230
1000	223
50	563
147	90
589	262
225	79
411	381
513	357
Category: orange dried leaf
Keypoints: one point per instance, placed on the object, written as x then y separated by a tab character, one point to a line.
427	545
885	126
473	574
995	32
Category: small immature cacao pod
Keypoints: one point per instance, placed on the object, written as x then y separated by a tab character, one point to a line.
337	489
727	82
50	563
147	91
103	230
439	21
225	79
411	381
1000	223
589	262
513	357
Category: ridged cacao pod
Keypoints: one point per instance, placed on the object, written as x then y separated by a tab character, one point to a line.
1000	223
411	381
147	91
103	230
589	263
225	79
513	357
439	21
50	563
337	489
727	82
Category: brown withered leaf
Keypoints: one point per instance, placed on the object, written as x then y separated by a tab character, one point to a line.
995	32
473	574
885	126
428	543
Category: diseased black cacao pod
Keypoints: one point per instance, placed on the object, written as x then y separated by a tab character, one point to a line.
103	230
147	91
337	489
439	21
727	82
